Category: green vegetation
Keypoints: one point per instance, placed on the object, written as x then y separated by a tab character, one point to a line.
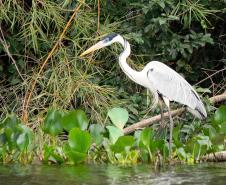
73	113
98	144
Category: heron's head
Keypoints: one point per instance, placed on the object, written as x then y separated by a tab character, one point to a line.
106	41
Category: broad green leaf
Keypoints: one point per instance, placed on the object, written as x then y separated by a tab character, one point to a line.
75	118
22	141
144	155
77	157
11	130
123	143
9	136
52	122
25	138
157	145
220	115
118	116
79	141
96	131
48	150
181	152
114	133
146	136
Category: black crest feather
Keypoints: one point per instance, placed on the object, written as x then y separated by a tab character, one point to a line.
109	37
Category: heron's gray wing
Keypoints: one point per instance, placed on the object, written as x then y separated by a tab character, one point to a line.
173	86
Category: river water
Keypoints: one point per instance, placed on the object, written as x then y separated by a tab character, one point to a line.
210	173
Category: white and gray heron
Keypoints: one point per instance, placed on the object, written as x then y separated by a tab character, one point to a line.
161	80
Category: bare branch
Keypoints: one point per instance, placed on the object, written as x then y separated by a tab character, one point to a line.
215	157
177	112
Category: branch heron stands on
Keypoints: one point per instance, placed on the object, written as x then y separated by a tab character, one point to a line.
161	80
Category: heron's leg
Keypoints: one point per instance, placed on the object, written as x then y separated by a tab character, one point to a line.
162	125
167	102
171	133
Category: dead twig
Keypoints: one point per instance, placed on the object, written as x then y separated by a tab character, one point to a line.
6	48
224	69
177	112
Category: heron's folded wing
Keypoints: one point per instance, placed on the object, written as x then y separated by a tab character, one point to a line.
173	86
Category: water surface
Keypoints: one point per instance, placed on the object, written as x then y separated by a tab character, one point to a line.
212	173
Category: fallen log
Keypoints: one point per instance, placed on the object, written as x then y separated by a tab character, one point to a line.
177	112
215	157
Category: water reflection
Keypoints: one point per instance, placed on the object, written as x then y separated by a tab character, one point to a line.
110	174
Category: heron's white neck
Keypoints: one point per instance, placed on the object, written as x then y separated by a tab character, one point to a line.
131	73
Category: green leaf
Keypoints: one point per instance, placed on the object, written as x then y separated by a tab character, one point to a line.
96	131
53	154
203	90
79	140
114	133
162	21
75	118
156	145
118	116
9	135
146	136
161	4
123	144
210	131
10	121
76	157
204	141
176	138
52	122
181	152
220	115
24	139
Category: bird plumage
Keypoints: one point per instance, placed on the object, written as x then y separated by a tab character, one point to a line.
159	79
173	86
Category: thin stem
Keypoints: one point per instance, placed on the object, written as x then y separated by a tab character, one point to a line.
98	17
4	43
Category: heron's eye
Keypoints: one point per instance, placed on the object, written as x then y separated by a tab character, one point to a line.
151	69
106	40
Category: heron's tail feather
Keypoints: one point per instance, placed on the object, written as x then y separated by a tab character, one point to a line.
199	111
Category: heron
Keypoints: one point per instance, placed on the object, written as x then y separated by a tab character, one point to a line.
162	81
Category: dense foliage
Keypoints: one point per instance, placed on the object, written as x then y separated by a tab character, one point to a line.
191	142
187	35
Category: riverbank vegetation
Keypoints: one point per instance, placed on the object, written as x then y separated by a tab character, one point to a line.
56	107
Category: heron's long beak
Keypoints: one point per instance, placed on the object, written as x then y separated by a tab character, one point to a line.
97	46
